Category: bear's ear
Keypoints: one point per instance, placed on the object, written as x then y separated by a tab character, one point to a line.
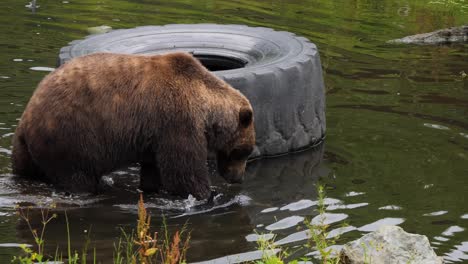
245	117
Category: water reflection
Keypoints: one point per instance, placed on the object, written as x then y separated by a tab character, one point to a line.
436	213
452	230
352	193
39	68
328	218
240	258
389	154
346	206
285	223
268	210
458	254
390	207
390	109
385	221
299	205
116	207
257	237
33	6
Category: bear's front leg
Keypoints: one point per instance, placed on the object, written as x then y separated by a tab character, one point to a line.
182	164
150	180
75	182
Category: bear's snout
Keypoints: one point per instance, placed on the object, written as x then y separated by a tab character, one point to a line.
231	170
234	173
232	166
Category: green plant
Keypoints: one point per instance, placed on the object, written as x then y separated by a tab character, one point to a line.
170	252
145	247
176	251
123	250
269	251
72	258
38	255
319	240
319	232
32	255
84	252
141	247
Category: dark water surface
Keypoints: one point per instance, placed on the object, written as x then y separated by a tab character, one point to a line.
397	127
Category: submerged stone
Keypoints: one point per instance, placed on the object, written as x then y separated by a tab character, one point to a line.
442	36
390	244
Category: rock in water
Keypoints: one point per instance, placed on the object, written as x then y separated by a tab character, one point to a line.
390	244
443	36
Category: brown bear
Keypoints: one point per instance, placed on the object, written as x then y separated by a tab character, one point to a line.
101	112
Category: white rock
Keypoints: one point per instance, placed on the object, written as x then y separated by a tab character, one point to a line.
390	244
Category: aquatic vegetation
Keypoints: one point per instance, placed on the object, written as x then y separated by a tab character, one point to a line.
38	255
269	252
142	247
319	240
34	255
273	254
149	250
319	235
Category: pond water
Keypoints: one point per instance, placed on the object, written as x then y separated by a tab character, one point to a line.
397	128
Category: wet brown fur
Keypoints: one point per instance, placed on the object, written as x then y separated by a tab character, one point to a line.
101	112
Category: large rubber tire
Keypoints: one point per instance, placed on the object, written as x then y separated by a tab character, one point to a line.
279	72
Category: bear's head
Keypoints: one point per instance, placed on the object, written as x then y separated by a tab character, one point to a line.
232	158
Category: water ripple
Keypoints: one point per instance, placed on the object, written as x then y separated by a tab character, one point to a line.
440	238
286	223
346	206
390	207
435	126
6	151
269	210
241	257
452	230
299	205
352	193
340	230
436	213
257	237
189	206
328	218
459	253
294	237
46	69
385	221
14	245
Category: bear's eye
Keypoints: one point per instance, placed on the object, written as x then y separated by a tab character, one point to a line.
241	153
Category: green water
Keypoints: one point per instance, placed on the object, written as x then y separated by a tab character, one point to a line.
397	123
